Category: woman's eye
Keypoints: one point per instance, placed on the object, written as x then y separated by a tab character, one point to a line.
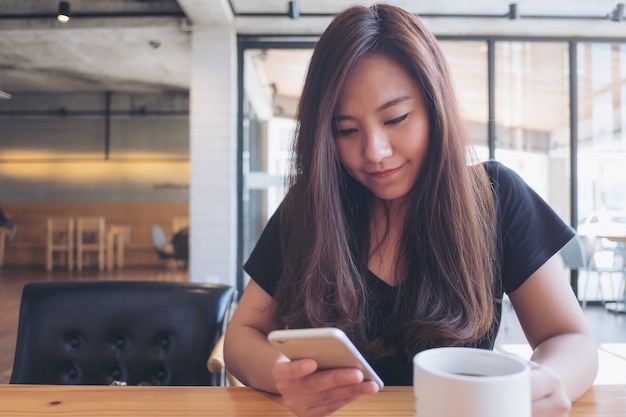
397	119
346	132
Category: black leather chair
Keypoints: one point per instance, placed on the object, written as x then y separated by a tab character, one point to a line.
180	242
132	332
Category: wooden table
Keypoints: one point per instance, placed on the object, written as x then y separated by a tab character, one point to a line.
3	238
115	238
117	401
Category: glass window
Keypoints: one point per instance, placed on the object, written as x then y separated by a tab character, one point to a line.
272	81
468	65
601	150
602	131
532	116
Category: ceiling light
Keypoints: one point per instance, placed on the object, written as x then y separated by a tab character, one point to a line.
63	15
514	11
294	10
618	13
4	95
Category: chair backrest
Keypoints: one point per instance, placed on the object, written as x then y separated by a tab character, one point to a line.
607	258
90	231
158	236
575	253
137	332
60	232
180	243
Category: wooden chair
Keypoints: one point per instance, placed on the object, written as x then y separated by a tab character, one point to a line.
90	238
216	365
60	239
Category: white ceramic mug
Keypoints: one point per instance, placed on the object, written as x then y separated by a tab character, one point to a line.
467	382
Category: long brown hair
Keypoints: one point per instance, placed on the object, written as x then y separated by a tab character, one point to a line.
448	243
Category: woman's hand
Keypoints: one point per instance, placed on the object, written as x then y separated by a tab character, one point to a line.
548	393
312	394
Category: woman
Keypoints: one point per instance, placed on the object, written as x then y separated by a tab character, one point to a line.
387	233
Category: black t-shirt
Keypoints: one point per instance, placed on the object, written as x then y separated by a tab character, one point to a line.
529	233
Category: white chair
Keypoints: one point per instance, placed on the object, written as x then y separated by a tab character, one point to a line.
606	260
575	256
583	255
162	245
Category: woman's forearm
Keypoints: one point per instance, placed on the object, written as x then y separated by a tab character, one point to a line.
250	357
574	357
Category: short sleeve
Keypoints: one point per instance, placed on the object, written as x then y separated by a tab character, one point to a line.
530	231
264	263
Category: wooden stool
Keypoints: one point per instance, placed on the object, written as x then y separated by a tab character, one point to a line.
60	238
90	238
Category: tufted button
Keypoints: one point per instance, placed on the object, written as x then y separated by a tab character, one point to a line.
72	373
165	342
75	343
116	373
120	343
160	375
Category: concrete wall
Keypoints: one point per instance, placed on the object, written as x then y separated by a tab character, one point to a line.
64	147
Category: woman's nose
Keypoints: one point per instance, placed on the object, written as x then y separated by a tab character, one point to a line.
376	147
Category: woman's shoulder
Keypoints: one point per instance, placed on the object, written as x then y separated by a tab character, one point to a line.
505	182
500	173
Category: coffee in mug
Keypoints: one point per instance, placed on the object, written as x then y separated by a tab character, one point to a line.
469	382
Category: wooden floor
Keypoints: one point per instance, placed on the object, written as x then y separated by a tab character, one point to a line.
609	328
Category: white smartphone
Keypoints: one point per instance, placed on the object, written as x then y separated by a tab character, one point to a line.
329	346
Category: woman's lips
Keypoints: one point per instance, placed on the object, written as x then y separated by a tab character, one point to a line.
384	174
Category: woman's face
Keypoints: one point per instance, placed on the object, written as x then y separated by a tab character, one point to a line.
382	127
